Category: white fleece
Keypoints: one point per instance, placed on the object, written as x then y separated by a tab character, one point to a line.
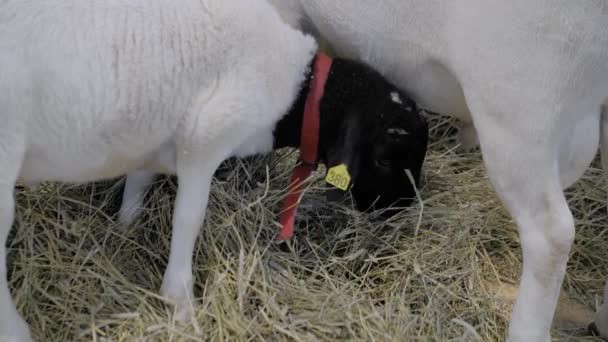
98	88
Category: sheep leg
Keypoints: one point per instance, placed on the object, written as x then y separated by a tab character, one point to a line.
604	140
601	317
190	207
132	204
525	172
199	153
195	169
12	327
240	108
529	186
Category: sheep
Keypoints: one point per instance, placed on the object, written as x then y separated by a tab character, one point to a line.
93	90
525	77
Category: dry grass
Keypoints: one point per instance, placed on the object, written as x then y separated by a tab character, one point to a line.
430	274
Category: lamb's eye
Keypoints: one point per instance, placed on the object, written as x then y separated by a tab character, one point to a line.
384	163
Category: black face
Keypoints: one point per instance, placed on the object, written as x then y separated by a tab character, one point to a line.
378	141
370	126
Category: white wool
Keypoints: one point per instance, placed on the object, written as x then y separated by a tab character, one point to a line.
96	89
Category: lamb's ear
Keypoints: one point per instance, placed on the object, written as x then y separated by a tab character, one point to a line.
343	156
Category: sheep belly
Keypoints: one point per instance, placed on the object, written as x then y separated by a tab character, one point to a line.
94	159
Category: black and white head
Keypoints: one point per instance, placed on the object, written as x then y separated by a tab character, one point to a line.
373	129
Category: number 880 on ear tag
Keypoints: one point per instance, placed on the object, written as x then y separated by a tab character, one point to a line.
339	177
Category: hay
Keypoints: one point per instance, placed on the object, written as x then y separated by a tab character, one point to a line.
430	274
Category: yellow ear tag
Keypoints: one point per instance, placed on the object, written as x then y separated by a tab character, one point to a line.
339	177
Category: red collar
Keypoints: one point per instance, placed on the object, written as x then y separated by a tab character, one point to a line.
309	145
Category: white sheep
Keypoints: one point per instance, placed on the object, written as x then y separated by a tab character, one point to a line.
529	75
92	90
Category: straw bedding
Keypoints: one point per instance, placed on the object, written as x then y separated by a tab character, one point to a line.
445	269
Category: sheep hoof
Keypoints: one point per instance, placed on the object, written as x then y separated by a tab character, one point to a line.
183	313
122	226
126	219
183	307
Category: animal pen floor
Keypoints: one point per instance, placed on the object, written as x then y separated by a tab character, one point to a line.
446	270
